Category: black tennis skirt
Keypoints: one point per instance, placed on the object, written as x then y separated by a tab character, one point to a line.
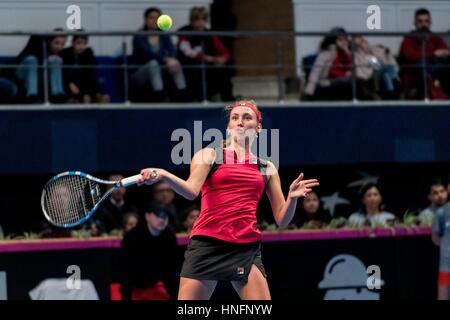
208	258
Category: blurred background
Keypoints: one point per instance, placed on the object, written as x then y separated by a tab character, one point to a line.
353	105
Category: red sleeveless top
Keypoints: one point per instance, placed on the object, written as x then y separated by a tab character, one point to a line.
230	197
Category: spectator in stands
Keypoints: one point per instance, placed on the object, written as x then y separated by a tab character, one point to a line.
436	54
206	52
148	258
156	54
331	74
163	193
441	237
130	220
189	215
437	195
312	215
376	64
80	77
112	211
8	90
32	57
95	228
50	231
371	213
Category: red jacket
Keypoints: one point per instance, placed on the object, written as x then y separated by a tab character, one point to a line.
341	65
411	48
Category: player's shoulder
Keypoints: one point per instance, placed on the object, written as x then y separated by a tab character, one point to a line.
205	156
270	167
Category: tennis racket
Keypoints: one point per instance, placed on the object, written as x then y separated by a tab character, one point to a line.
70	198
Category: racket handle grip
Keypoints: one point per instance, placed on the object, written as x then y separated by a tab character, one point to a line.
126	182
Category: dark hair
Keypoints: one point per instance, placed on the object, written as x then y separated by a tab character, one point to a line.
198	13
331	37
157	184
421	11
80	36
435	182
59	29
188	210
150	10
301	218
127	216
156	207
363	191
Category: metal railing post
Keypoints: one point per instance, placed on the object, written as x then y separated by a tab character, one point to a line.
280	73
424	70
125	71
45	67
354	97
203	76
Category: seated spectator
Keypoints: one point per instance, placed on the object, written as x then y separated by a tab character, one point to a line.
50	231
437	195
113	209
437	54
156	55
371	213
148	258
376	64
8	90
441	237
190	215
193	51
312	215
28	74
80	77
162	192
130	220
331	74
95	228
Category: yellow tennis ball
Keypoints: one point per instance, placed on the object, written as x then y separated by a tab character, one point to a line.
164	22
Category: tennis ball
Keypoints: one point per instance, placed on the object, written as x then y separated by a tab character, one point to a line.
164	22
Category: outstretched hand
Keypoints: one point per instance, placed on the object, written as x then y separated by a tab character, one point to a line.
301	188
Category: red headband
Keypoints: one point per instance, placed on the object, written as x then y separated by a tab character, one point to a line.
246	104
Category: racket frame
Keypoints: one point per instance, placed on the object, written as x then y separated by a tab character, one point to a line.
126	182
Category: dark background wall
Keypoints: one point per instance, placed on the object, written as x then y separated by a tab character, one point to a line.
44	142
404	146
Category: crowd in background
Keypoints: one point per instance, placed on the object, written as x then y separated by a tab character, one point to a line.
149	247
118	215
161	70
378	73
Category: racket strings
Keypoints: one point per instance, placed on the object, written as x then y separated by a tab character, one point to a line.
70	198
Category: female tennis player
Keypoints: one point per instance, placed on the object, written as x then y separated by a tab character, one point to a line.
224	242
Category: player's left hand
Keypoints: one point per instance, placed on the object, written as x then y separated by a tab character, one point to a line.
301	188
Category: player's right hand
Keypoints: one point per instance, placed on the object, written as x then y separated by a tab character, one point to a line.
150	176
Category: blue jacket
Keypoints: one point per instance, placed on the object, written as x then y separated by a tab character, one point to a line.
143	51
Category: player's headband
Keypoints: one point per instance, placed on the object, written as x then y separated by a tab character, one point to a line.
246	104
